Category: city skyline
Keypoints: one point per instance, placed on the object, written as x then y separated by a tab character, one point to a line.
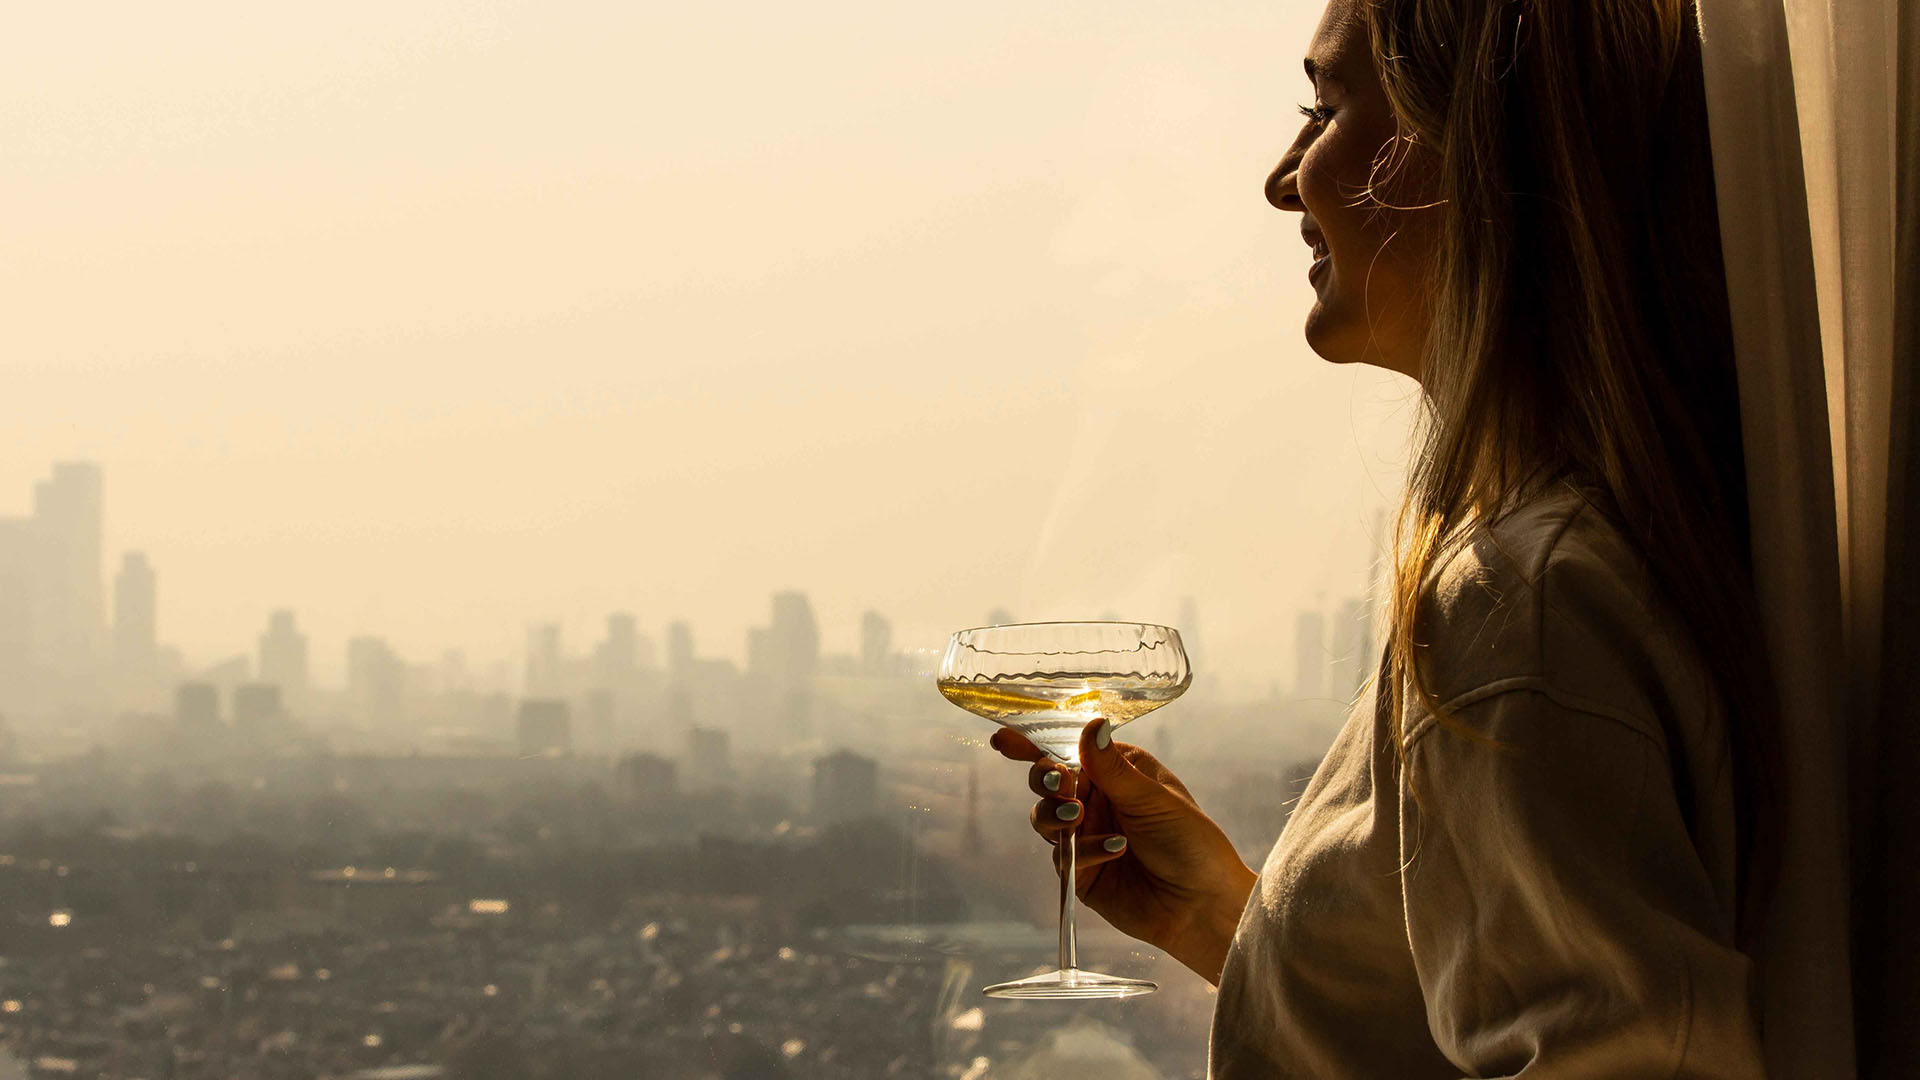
61	651
116	620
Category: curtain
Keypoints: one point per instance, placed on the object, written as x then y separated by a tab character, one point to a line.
1812	110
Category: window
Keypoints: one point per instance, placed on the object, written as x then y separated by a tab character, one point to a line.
489	481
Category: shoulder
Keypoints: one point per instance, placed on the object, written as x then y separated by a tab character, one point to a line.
1552	596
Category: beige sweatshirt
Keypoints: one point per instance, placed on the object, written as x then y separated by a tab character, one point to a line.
1560	906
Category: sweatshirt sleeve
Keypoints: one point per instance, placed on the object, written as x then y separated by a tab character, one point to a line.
1561	923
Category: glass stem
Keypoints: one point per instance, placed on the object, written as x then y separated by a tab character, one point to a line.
1069	947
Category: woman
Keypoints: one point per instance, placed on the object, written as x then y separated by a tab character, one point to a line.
1541	841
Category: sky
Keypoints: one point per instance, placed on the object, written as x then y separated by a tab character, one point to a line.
433	319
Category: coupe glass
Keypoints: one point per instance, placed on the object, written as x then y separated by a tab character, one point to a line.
1048	681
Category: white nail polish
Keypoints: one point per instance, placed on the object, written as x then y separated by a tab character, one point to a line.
1115	843
1068	811
1103	738
1051	781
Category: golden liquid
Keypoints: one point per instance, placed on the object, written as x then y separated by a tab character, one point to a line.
1052	713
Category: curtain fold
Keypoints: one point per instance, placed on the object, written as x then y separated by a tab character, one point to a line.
1887	814
1812	109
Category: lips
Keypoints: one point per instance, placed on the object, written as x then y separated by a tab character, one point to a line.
1321	252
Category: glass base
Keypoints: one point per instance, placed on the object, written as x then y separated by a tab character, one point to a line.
1070	985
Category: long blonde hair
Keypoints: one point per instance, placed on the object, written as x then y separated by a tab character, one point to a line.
1579	321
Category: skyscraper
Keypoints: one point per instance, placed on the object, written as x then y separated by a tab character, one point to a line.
876	644
679	651
787	652
1309	656
283	656
782	659
1351	664
543	659
69	615
618	658
135	645
376	678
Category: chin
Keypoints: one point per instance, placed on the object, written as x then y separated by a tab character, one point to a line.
1325	344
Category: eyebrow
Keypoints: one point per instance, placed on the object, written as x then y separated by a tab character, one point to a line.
1316	72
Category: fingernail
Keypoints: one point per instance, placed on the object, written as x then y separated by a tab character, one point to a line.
1114	843
1103	738
1051	781
1067	811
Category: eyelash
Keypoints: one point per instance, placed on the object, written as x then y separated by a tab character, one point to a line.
1313	112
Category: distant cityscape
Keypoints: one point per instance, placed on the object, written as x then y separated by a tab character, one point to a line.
622	858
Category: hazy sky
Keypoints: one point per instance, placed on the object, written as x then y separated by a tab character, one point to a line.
428	319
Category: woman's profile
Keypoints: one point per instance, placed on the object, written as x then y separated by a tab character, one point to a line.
1541	844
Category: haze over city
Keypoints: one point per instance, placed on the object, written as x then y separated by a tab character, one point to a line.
436	322
483	482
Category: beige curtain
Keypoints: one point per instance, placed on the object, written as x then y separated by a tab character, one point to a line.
1812	107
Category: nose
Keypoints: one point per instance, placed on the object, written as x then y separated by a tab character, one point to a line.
1283	184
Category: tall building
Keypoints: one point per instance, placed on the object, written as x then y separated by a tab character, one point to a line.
376	679
544	676
618	661
782	659
679	651
1309	656
283	656
795	638
787	651
543	728
876	644
1351	663
846	787
135	641
68	610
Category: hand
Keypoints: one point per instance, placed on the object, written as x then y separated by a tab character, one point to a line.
1172	879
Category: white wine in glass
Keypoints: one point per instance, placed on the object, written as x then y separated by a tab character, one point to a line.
1048	681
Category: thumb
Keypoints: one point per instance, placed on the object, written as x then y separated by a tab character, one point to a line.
1107	768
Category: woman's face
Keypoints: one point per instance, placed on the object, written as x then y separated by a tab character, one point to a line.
1370	305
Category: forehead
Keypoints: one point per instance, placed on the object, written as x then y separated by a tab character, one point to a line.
1338	42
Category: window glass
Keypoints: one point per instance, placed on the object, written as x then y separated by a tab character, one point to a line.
489	482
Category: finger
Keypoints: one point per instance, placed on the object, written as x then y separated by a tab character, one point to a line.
1107	767
1090	852
1097	849
1055	818
1052	780
1014	745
